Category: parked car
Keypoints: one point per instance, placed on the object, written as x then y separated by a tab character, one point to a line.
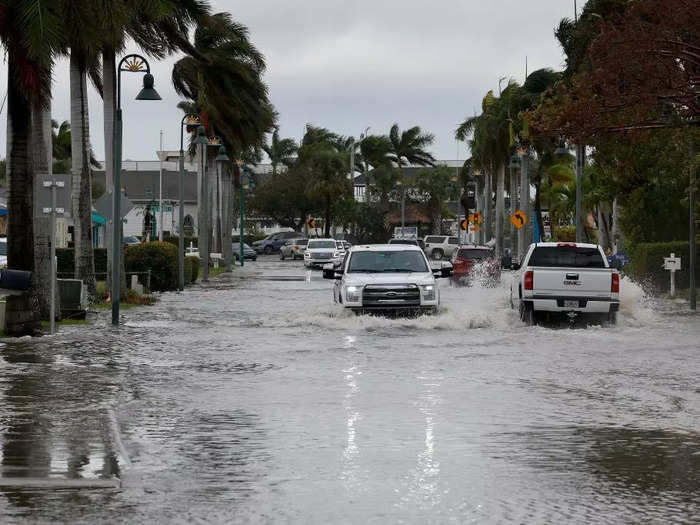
320	252
440	246
131	240
409	242
387	278
565	278
3	252
475	263
293	249
248	252
272	243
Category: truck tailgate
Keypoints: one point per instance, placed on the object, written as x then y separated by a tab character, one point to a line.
572	282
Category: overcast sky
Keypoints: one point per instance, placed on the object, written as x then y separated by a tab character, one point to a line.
349	65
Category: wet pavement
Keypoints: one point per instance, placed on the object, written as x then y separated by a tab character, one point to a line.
254	399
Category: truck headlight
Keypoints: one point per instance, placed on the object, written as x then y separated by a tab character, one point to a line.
428	292
352	294
336	255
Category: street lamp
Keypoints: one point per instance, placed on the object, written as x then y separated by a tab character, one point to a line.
201	142
129	64
245	182
223	203
187	121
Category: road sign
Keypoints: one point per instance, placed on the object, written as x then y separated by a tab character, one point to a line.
464	225
475	228
519	219
672	263
43	206
475	218
311	223
104	206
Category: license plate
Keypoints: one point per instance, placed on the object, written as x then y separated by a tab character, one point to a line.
571	304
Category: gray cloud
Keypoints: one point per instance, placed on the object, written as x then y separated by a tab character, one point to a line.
349	65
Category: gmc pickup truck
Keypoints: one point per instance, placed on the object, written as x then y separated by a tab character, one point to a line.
565	278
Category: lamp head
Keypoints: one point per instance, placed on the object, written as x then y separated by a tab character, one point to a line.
514	162
201	136
222	156
148	92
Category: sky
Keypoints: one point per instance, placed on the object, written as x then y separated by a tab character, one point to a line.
352	65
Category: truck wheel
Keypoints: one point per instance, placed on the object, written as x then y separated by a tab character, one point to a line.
527	314
438	254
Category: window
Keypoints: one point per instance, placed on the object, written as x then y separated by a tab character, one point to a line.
3	247
434	240
188	225
387	262
566	257
301	242
453	240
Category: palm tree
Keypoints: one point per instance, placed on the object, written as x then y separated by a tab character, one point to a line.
222	76
410	146
30	33
280	151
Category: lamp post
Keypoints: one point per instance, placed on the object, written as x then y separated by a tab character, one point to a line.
129	64
524	198
399	183
187	121
580	159
514	165
201	142
224	211
244	186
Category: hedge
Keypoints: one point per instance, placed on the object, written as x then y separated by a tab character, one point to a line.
191	269
646	265
158	257
66	261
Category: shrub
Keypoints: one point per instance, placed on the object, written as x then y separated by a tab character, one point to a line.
646	265
194	269
66	261
102	291
158	257
174	240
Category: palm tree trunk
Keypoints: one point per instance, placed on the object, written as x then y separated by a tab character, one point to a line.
21	313
81	197
488	206
500	190
43	237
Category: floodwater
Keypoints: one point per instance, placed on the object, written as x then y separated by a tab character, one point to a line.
254	399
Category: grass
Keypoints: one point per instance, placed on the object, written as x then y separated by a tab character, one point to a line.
213	272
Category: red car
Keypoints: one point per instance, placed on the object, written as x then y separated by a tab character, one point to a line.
475	263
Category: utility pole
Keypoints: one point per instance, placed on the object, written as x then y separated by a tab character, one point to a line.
160	193
692	204
580	157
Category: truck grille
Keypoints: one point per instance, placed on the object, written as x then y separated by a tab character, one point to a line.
390	296
321	255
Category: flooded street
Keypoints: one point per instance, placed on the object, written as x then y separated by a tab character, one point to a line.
254	399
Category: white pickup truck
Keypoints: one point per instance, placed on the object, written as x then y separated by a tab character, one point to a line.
565	278
387	278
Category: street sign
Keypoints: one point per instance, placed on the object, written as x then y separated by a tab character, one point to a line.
673	263
104	206
43	205
475	218
519	219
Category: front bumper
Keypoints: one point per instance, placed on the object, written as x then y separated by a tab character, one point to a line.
586	305
319	263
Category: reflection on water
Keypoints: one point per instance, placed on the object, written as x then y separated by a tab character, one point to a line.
258	401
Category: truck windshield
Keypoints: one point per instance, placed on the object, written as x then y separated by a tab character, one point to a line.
387	262
566	257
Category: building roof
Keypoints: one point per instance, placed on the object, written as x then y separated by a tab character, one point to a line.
145	185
